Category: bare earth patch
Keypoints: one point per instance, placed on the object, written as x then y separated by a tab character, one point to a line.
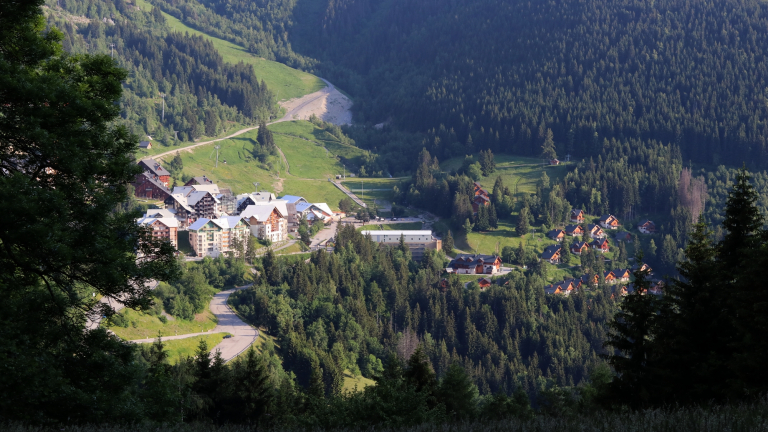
328	104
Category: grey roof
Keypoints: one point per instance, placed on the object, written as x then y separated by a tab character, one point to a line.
571	228
578	245
144	144
550	252
202	180
260	212
605	217
154	167
590	227
198	224
292	199
555	233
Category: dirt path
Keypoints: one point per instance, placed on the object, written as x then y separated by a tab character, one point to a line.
328	104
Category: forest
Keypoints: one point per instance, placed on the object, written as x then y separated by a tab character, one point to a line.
203	95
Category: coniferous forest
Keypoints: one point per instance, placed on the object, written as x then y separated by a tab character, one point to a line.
637	92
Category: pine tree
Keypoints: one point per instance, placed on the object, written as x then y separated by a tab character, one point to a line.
467	227
630	335
448	243
457	393
522	222
498	191
211	123
493	218
548	147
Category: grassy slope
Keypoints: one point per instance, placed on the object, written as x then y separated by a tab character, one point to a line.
148	326
289	82
181	348
352	383
307	160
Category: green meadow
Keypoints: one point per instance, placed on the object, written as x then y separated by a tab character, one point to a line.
181	348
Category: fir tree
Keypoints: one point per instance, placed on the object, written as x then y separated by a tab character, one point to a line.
448	243
493	218
522	222
548	147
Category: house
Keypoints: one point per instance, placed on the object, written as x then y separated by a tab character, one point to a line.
600	245
162	228
609	222
622	275
154	169
565	288
554	162
293	217
556	234
609	277
624	236
552	254
644	267
646	227
586	280
314	212
200	180
574	230
618	291
656	288
147	186
194	202
145	145
595	231
578	247
484	282
444	284
160	213
417	241
479	191
266	222
212	237
473	264
577	216
480	200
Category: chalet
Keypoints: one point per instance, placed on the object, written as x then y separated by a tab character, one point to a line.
646	227
154	169
480	191
556	234
444	285
266	222
145	145
609	222
600	245
199	180
644	267
574	230
622	275
618	291
314	212
565	288
656	288
248	199
480	200
484	282
577	216
147	186
624	236
609	277
162	228
554	162
579	247
595	231
475	264
552	254
586	280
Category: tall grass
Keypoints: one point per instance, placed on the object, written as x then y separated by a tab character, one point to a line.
733	418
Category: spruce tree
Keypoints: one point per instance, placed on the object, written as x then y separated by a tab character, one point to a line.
448	243
522	222
493	218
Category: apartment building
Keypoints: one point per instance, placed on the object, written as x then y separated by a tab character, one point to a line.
162	228
212	237
267	221
416	240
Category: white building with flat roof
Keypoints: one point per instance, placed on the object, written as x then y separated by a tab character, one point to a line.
416	240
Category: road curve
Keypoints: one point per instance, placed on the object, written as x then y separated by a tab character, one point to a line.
243	335
312	97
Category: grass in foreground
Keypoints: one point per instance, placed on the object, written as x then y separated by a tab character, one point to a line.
180	348
148	326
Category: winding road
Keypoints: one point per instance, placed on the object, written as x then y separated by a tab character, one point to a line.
296	112
243	334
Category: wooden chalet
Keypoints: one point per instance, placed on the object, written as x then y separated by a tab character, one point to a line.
552	254
646	227
147	145
622	275
480	200
577	216
595	231
480	191
574	230
554	162
444	284
600	245
484	282
556	234
609	277
475	264
609	222
579	247
565	287
155	170
586	280
147	186
624	236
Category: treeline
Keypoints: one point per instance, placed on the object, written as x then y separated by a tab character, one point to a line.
203	94
348	311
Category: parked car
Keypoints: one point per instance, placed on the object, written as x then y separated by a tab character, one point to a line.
227	336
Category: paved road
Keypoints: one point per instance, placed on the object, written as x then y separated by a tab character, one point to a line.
243	335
